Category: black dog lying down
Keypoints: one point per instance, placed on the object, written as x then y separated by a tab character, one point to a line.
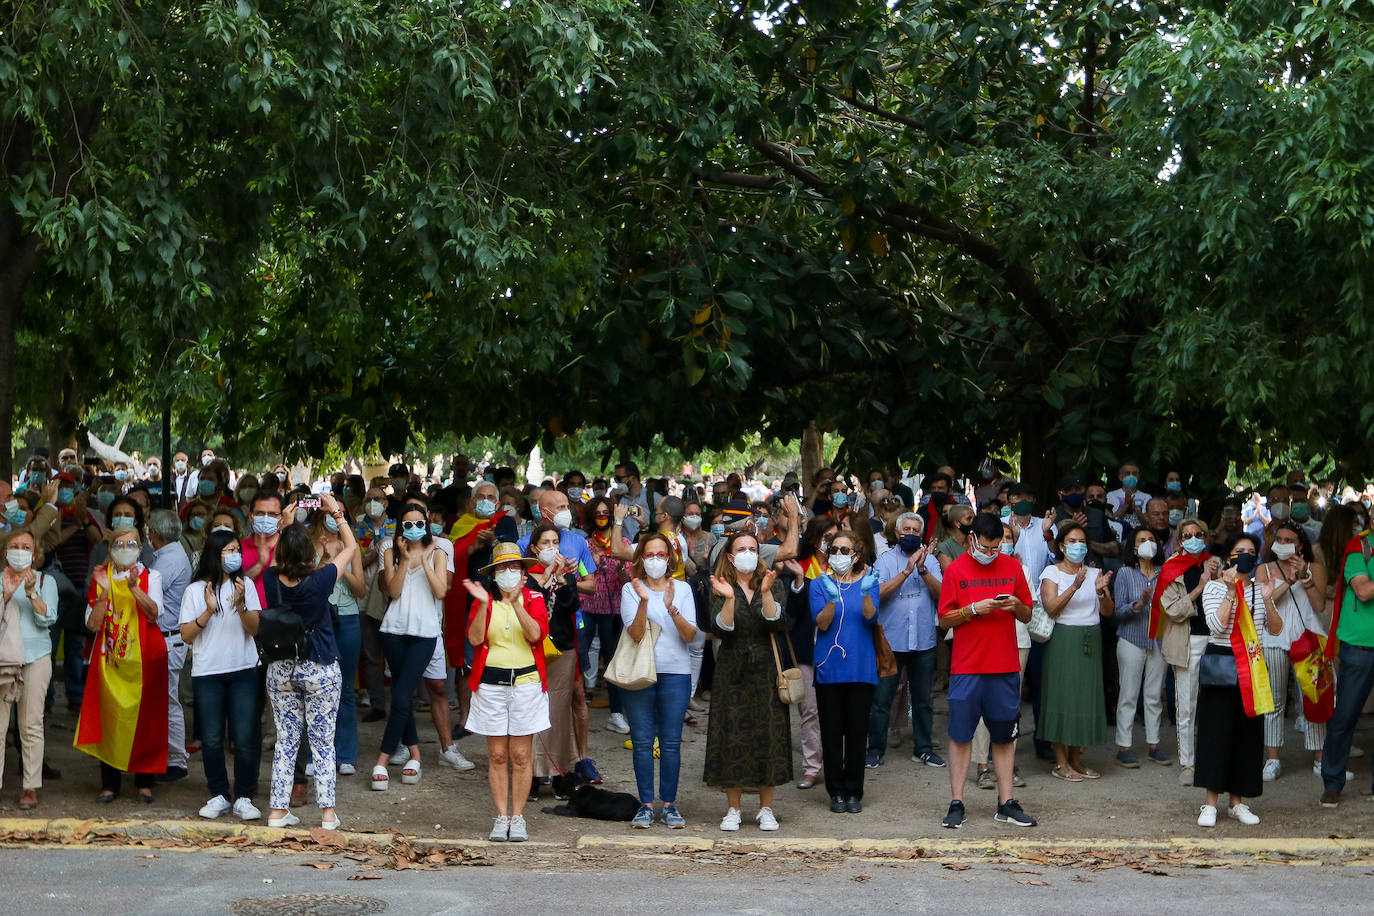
598	804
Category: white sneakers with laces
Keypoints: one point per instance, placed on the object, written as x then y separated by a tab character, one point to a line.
616	723
454	758
1207	816
766	819
1243	814
730	822
1271	769
215	807
245	810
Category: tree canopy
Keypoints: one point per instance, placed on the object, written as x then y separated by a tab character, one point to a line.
1082	231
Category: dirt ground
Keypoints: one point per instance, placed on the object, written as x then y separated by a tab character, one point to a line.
903	799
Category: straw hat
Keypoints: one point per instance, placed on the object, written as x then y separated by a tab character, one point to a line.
507	553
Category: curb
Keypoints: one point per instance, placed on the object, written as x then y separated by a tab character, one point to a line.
1202	848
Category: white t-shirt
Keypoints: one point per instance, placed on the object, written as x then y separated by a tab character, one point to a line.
671	654
416	612
1082	607
223	646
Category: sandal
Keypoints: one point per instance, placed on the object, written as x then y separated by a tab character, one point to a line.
28	800
410	773
380	778
1067	773
1086	772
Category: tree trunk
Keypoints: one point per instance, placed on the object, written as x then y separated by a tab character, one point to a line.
1038	462
9	309
812	455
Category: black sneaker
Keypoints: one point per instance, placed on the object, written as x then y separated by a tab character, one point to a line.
873	760
1009	812
954	819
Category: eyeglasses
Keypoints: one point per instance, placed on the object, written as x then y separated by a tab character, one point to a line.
655	556
842	551
266	515
411	526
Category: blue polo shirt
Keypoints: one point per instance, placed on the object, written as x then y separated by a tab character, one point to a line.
908	616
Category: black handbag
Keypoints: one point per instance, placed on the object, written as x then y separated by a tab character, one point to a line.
1217	669
282	634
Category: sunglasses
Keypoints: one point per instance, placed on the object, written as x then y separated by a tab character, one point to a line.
842	551
410	526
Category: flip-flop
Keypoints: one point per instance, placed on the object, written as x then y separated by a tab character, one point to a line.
1073	775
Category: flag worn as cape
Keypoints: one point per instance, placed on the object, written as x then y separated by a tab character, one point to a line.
463	534
124	708
1173	568
1251	672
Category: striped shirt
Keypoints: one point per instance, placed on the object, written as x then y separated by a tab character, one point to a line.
1213	593
1132	625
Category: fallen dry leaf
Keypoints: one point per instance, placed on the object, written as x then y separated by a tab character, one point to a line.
956	866
366	876
863	878
317	864
1033	881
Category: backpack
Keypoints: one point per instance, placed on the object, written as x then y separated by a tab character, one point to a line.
282	634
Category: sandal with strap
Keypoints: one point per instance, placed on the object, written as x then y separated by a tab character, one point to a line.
380	779
410	773
1067	773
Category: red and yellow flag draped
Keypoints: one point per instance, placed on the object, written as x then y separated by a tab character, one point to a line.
124	708
1251	672
463	534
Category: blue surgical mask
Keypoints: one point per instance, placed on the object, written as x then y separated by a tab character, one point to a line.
233	562
331	524
265	525
197	522
124	521
17	516
840	500
121	475
718	530
1130	481
534	511
65	495
436	529
1075	552
413	534
1194	545
1174	486
104	498
205	488
486	508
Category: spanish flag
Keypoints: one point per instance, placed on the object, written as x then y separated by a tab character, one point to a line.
1251	672
1173	568
124	708
463	534
817	566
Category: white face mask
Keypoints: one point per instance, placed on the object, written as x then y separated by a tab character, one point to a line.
746	561
1147	550
19	560
655	567
124	557
375	508
841	563
180	466
548	555
206	459
563	519
508	580
1280	511
1285	551
983	558
693	522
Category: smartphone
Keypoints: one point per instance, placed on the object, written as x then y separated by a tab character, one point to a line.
1001	598
308	502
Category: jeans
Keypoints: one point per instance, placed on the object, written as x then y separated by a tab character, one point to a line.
348	632
1354	680
232	696
73	665
407	657
920	671
607	627
373	680
658	711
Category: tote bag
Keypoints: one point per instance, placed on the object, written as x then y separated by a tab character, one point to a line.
632	667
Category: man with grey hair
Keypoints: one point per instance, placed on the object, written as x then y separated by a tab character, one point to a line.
908	594
171	562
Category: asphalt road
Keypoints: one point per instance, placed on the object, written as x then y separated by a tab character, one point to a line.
41	881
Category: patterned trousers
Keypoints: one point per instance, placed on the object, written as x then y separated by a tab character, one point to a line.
305	699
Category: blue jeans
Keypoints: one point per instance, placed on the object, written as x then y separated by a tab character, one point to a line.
920	671
349	634
607	628
407	657
658	711
1354	680
230	699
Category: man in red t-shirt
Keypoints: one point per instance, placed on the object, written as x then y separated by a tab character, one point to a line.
982	596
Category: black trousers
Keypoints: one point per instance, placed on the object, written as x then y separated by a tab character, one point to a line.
110	779
1230	744
843	711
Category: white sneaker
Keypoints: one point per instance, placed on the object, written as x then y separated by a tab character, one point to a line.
1207	816
766	819
347	769
1243	814
500	830
310	768
1271	769
400	757
290	820
518	833
454	758
215	807
1317	769
245	810
617	723
730	822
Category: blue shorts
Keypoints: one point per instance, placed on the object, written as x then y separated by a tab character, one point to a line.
995	698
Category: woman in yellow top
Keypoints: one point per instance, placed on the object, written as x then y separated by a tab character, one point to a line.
510	701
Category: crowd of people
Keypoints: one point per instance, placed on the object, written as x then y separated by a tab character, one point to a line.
507	602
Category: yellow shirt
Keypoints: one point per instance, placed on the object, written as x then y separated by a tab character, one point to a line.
506	644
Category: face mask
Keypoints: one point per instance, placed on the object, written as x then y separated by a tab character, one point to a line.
1245	563
939	499
965	529
180	466
126	521
246	495
222	528
575	492
375	508
1174	486
1194	545
206	459
746	561
718	530
436	529
17	516
840	500
124	557
302	515
824	548
548	555
1005	513
1285	551
910	543
265	525
65	495
1075	552
1299	512
205	488
693	522
232	563
1280	511
486	508
508	580
121	475
841	564
413	534
1073	500
398	485
1130	481
878	484
19	560
331	524
563	519
981	557
1023	507
154	472
104	498
655	567
1098	504
1148	550
1175	516
535	513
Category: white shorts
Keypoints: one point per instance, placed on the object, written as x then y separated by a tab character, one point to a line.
497	710
437	670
